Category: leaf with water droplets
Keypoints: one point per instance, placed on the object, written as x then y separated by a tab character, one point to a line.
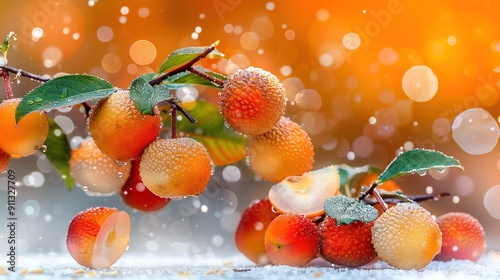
63	91
222	143
346	210
146	96
58	152
180	57
417	161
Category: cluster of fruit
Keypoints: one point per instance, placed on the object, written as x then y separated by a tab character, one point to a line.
298	223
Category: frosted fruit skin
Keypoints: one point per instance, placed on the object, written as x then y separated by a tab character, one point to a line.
291	239
175	167
285	150
27	136
406	236
463	237
96	171
252	101
119	129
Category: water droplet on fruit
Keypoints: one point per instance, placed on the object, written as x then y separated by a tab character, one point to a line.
422	173
120	163
475	131
274	210
85	188
43	149
120	174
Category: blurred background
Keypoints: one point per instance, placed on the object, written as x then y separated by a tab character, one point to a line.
366	80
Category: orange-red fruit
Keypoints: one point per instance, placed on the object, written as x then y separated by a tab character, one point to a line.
285	150
27	136
406	236
252	101
97	237
291	239
119	129
135	194
463	237
346	244
249	235
4	161
175	167
96	171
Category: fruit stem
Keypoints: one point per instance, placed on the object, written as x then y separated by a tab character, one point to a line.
23	73
379	199
199	72
373	185
173	121
183	111
6	81
396	198
184	67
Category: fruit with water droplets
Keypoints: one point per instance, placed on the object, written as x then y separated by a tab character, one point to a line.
252	101
4	161
463	237
175	167
406	236
135	194
291	239
119	129
25	137
98	237
285	150
95	171
249	235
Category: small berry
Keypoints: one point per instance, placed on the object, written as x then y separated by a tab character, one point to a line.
291	239
96	171
463	237
346	244
119	129
27	136
249	235
406	236
97	237
252	101
285	150
135	194
175	167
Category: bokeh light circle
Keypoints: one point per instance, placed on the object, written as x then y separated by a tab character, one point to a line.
475	131
420	83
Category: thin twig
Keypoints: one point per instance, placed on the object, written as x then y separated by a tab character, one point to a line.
204	75
373	185
6	81
173	121
183	111
23	73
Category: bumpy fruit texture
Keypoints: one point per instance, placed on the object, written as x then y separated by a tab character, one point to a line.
306	194
135	194
285	150
97	237
96	171
252	101
175	167
249	235
406	236
119	129
346	244
463	237
4	161
291	239
27	136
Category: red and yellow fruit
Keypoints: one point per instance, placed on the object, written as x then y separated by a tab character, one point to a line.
97	237
249	235
135	194
285	150
463	237
252	101
4	161
96	171
291	239
175	167
346	244
406	236
27	136
119	129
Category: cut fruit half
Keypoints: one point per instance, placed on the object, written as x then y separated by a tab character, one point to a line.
97	237
306	194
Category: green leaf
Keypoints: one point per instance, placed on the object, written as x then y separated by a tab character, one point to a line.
223	144
417	161
6	43
146	97
346	210
188	79
182	56
63	91
58	152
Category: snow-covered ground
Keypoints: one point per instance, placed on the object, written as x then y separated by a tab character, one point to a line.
53	266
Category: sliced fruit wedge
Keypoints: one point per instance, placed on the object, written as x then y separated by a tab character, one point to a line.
306	194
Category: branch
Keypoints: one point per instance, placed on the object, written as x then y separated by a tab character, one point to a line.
6	81
23	73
